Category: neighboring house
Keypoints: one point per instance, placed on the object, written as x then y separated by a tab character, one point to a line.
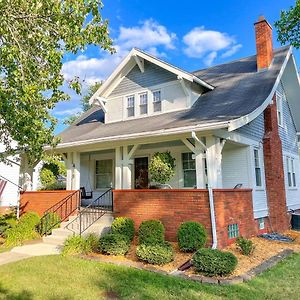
230	124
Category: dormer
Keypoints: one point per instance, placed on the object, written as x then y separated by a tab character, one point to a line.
143	85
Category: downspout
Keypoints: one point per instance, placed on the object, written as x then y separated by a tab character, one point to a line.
211	201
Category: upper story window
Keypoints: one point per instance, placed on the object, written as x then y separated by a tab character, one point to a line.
156	101
279	99
291	174
189	170
130	106
258	181
143	103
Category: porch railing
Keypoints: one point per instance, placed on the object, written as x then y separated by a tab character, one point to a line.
92	213
59	212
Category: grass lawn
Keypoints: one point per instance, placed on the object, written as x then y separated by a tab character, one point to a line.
64	278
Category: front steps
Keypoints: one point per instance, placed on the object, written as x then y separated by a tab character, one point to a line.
59	235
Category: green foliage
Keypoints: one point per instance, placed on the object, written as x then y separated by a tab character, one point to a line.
157	254
213	262
54	186
84	101
288	26
25	229
47	177
48	223
245	246
34	36
162	167
191	236
76	244
151	232
114	244
123	225
7	221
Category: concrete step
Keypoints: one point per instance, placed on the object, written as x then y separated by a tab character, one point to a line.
54	240
61	232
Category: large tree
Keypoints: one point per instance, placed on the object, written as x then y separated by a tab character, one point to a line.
288	26
34	36
84	103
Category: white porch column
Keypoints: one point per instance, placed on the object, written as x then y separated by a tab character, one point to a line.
76	172
126	182
69	162
214	161
118	168
200	167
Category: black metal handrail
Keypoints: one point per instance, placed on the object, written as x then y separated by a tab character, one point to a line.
91	213
59	212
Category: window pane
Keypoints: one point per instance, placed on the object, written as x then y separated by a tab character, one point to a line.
156	106
143	99
143	109
130	112
294	179
104	174
258	176
289	179
189	178
156	96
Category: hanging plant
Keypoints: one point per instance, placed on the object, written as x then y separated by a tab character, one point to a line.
162	167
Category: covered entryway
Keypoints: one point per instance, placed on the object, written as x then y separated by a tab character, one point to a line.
141	174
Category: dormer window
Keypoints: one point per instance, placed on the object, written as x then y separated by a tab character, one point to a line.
156	101
143	103
130	106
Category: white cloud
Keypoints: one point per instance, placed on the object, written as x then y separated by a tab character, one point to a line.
232	50
202	43
150	34
67	112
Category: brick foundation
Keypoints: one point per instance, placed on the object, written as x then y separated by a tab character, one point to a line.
172	207
40	201
274	171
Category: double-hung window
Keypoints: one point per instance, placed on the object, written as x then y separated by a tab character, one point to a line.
189	170
130	106
279	105
156	101
257	166
143	103
291	174
103	174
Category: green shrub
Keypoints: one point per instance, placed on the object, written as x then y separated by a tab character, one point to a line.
123	225
77	244
213	262
114	244
7	221
157	254
245	246
151	232
24	230
49	222
54	186
191	236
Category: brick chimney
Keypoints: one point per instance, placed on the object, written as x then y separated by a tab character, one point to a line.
264	44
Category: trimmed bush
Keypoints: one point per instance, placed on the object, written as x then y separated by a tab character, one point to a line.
191	236
123	225
25	229
114	244
77	244
157	254
213	262
245	246
151	232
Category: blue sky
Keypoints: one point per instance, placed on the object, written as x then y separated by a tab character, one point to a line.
191	35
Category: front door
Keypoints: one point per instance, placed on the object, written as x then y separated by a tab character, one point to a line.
141	173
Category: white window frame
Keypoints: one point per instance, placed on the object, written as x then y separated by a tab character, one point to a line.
156	102
97	174
143	104
183	170
130	107
279	105
291	172
257	166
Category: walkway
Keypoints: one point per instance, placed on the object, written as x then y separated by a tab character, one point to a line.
26	251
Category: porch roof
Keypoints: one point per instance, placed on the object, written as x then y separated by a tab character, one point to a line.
240	90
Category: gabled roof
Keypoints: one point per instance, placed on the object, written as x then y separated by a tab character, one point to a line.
239	95
136	56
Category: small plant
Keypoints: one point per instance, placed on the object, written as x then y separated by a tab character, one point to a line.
213	262
25	229
191	236
151	232
114	244
162	167
158	254
7	221
245	246
123	225
77	244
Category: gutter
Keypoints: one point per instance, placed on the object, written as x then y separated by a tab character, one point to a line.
212	217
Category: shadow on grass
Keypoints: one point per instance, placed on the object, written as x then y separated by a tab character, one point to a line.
8	295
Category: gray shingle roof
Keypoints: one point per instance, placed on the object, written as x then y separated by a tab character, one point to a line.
240	89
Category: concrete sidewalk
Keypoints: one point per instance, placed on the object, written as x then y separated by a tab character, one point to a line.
26	251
